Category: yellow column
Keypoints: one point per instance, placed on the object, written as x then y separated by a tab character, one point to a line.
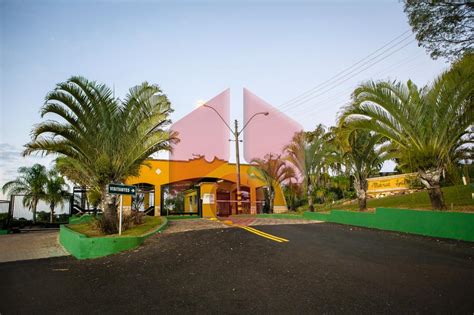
208	197
157	202
253	200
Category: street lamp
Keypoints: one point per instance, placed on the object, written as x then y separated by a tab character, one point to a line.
236	133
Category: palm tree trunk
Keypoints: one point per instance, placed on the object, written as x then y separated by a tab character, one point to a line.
431	179
309	193
51	216
272	199
33	209
360	186
109	208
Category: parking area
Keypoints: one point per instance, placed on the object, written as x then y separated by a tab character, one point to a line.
30	245
323	268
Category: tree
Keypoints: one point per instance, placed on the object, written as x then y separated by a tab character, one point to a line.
31	184
429	128
273	172
101	139
55	192
309	153
363	156
442	28
293	195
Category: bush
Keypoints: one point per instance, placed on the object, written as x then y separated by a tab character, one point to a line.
42	216
128	221
3	220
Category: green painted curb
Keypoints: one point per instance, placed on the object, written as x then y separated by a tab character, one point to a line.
83	247
3	232
453	225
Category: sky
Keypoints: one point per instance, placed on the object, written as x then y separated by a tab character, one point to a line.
195	50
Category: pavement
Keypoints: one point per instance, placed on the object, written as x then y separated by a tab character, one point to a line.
186	225
30	245
255	221
323	268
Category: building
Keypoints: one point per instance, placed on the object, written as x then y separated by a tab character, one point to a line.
197	178
198	187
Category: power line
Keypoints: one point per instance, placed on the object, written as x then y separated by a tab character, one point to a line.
358	64
338	81
320	109
398	64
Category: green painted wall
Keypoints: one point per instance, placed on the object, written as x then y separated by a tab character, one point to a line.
83	247
454	225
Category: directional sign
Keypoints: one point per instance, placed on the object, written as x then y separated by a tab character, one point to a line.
122	189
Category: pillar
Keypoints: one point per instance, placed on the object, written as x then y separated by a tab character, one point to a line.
208	198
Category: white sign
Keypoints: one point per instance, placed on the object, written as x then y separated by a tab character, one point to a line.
208	199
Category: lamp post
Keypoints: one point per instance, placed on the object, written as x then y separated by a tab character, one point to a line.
236	133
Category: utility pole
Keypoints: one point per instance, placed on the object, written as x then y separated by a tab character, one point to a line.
237	163
236	133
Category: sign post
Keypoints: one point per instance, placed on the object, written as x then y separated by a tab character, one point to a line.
121	215
121	190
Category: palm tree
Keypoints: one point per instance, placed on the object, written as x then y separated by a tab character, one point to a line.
273	171
30	183
55	193
309	153
102	139
428	127
364	154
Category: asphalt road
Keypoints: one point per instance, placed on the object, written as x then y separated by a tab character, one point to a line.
324	268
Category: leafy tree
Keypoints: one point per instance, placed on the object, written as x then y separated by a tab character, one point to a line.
364	156
31	184
429	128
445	29
55	192
101	139
293	195
310	153
273	172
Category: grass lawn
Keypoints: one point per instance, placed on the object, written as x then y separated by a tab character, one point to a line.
90	228
460	197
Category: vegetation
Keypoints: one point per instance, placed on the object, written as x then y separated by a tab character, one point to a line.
362	159
91	228
272	171
459	197
428	128
30	183
444	28
100	139
310	153
55	192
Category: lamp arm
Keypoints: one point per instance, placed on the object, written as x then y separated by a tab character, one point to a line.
223	120
250	119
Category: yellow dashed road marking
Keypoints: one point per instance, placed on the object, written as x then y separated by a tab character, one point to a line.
263	234
257	232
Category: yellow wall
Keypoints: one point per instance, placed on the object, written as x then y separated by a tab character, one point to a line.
160	172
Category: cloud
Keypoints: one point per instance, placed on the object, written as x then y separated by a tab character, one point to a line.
11	160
